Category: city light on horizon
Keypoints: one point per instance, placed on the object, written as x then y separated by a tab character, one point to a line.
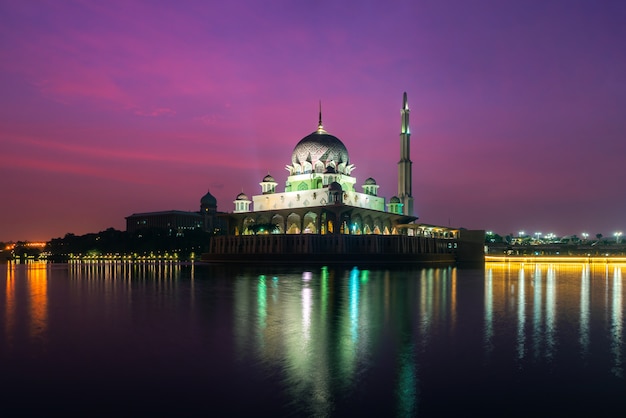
113	109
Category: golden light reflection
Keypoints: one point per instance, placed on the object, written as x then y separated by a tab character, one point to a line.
584	309
521	314
542	259
38	291
453	305
550	312
9	296
488	311
546	295
616	323
537	311
26	297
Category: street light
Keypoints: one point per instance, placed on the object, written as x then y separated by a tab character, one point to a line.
585	236
618	235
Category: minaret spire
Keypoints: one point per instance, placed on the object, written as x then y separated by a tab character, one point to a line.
405	175
405	115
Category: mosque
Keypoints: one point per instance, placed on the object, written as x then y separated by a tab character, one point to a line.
321	197
322	216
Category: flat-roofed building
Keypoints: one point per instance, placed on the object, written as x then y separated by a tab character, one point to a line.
173	221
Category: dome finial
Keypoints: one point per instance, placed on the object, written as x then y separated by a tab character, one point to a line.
320	127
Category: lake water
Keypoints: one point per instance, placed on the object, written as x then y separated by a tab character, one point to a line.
153	339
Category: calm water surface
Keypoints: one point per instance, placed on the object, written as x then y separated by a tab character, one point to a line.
118	339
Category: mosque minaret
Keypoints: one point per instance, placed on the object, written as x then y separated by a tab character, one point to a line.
405	175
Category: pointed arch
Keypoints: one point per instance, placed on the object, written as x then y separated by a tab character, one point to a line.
368	225
310	223
248	224
357	225
377	226
279	222
293	224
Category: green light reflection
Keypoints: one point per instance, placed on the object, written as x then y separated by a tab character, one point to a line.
262	302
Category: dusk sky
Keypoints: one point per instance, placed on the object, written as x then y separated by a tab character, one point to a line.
109	108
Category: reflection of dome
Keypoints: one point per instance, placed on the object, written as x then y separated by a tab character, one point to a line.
370	181
320	146
208	200
334	186
242	196
394	199
268	179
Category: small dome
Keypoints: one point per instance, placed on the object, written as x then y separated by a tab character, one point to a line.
370	181
394	199
208	200
334	186
242	196
269	179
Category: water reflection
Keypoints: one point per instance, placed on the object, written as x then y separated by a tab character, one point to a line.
488	312
324	325
537	311
616	323
551	325
321	341
547	301
25	302
585	312
521	314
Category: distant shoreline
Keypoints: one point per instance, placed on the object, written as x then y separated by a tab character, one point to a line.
534	259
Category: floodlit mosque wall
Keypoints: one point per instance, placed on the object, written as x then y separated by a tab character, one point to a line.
318	197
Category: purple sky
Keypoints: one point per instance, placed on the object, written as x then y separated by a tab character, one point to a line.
107	108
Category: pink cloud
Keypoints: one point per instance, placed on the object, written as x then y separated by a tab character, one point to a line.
160	111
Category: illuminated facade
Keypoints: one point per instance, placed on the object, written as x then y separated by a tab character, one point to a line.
325	215
321	197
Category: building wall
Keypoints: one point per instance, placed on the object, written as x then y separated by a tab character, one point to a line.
272	245
318	181
462	250
173	221
311	198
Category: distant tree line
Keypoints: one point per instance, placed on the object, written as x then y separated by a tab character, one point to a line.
142	242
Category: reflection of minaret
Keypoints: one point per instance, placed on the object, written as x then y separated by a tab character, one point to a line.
405	175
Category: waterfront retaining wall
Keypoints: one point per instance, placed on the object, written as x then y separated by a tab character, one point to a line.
331	248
